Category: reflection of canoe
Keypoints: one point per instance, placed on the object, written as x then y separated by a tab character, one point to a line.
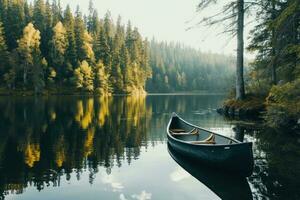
226	186
210	148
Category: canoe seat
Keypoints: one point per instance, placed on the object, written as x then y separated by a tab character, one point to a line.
209	140
177	130
192	132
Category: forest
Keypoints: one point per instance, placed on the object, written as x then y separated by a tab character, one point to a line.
176	67
42	47
272	84
275	73
46	48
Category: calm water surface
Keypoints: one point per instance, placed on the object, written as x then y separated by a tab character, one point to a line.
116	148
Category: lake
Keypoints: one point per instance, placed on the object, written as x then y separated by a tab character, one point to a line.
116	148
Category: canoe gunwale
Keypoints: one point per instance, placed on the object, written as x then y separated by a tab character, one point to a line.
208	145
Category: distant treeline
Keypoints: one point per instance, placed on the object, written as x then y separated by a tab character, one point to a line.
43	47
179	68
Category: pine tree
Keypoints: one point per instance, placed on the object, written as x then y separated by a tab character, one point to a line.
84	41
56	12
28	13
146	71
68	22
47	36
125	68
39	15
127	53
79	30
275	40
43	23
103	49
91	23
15	22
129	38
104	43
116	72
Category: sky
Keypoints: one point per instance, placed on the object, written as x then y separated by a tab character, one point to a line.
166	20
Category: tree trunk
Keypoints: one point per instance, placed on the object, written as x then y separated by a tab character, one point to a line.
25	74
240	88
273	71
274	75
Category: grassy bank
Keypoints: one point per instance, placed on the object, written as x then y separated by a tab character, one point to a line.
280	108
250	107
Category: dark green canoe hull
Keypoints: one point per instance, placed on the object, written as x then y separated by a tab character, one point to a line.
237	158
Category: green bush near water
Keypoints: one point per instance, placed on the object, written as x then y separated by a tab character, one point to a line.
283	105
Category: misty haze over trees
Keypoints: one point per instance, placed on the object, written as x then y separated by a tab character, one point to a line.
179	68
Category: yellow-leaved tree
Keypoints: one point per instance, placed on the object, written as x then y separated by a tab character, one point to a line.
31	60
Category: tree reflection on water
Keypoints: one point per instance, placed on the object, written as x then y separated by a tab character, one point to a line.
43	140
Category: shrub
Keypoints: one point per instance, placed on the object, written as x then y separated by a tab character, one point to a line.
283	104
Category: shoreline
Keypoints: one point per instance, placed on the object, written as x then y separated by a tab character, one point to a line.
72	92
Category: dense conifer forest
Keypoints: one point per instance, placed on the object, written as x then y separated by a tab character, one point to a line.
45	47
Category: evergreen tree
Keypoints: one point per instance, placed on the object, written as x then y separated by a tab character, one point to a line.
146	72
124	65
129	39
105	43
116	72
84	41
39	15
275	40
47	36
71	56
42	20
28	12
93	23
14	23
129	70
56	11
103	49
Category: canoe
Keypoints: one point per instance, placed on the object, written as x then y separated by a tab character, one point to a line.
225	185
210	148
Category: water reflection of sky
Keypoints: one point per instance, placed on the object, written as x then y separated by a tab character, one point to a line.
143	179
